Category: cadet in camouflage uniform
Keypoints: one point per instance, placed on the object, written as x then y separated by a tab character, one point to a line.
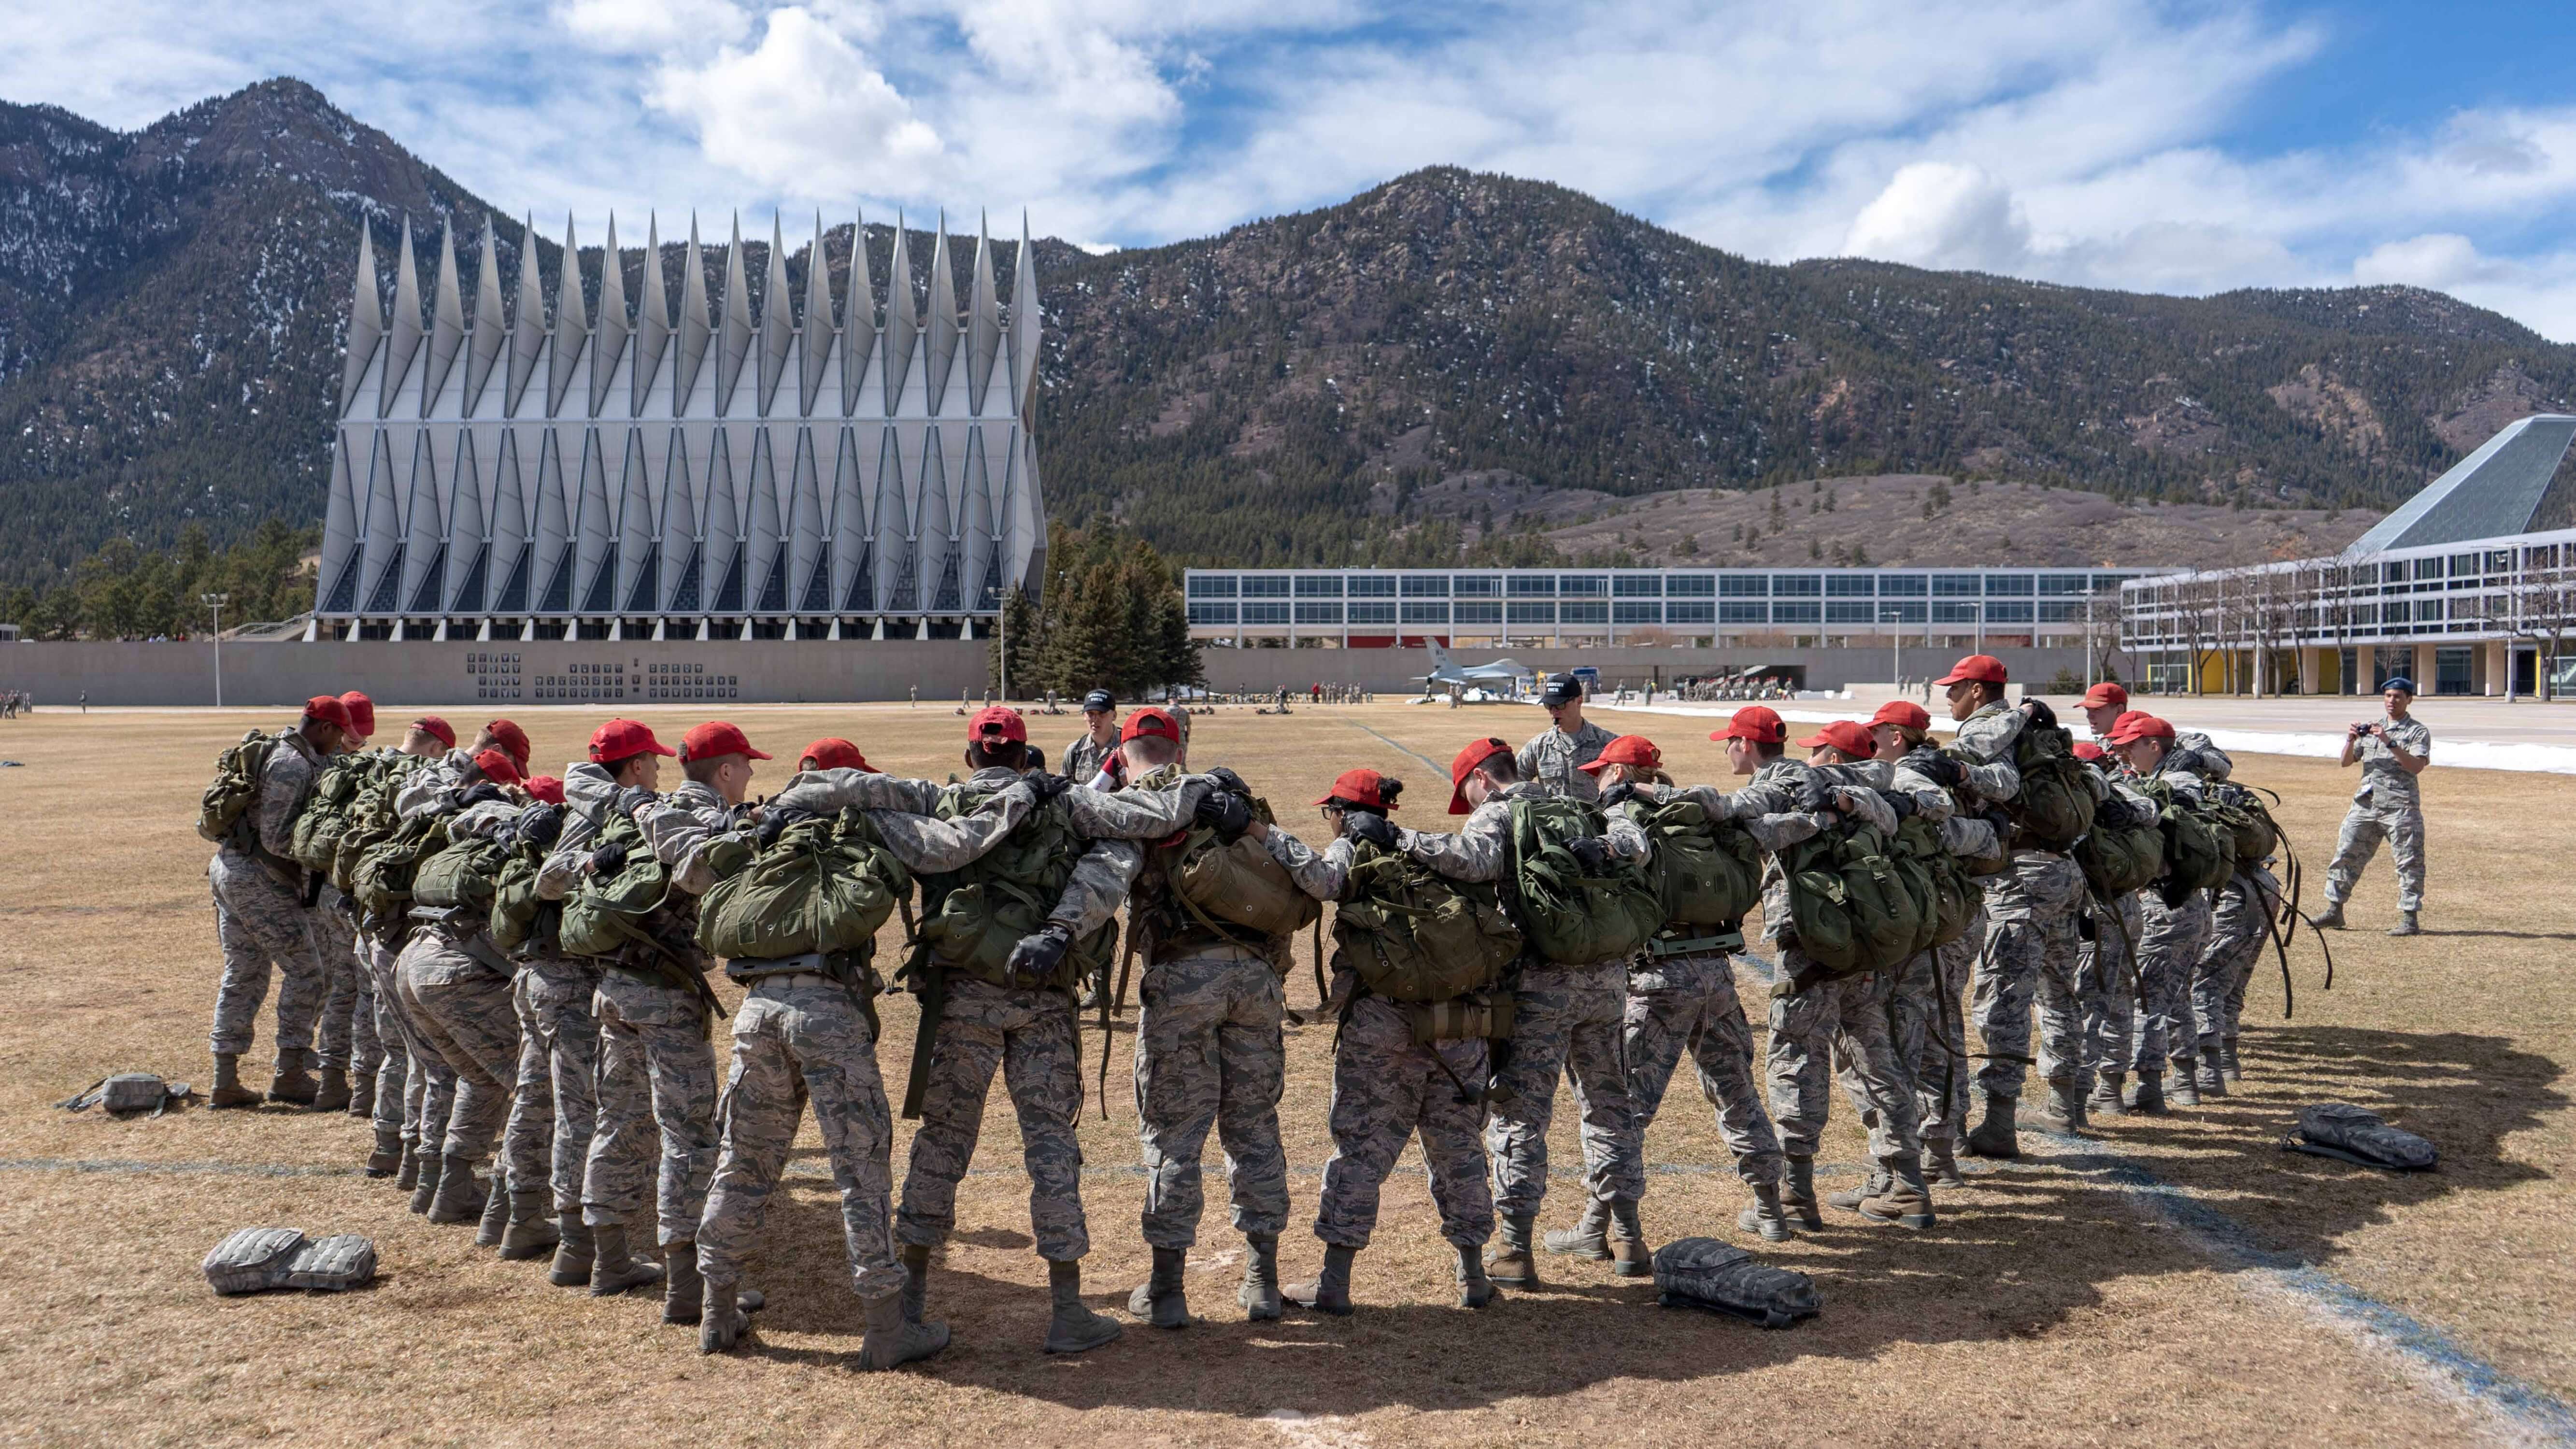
1208	1053
809	1023
1815	1015
403	1079
2389	805
1681	998
1089	751
1567	1020
2106	976
261	920
1552	762
2031	945
554	1104
1026	1033
2240	927
345	1043
457	986
1387	1087
2172	937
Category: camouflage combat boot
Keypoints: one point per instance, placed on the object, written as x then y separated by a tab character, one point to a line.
407	1176
458	1197
2105	1101
333	1095
721	1325
2406	925
683	1291
2329	919
293	1083
425	1191
1907	1202
1941	1163
1993	1136
2149	1098
575	1250
916	1281
496	1211
2183	1092
1331	1290
1765	1218
1073	1328
613	1269
1475	1290
531	1231
2227	1065
1163	1299
1588	1239
893	1338
362	1094
1515	1266
387	1159
228	1091
1798	1194
2060	1109
1259	1294
1629	1255
2213	1072
1849	1199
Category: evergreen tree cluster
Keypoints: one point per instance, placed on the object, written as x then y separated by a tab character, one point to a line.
1111	617
127	592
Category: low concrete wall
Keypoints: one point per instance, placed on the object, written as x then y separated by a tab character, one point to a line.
408	673
1392	670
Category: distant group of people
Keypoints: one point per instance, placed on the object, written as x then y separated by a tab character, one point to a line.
15	702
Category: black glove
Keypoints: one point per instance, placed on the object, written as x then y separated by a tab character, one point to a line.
2040	714
1036	957
481	791
608	859
1229	781
1227	813
1370	826
1616	794
1938	767
1592	851
625	801
1047	786
541	825
1898	801
774	821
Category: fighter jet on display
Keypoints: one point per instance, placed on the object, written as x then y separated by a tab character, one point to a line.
1501	676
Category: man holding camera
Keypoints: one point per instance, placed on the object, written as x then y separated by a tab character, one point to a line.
2391	753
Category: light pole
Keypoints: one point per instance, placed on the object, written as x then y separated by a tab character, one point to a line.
216	602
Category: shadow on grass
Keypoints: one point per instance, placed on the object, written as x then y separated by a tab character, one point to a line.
2015	1256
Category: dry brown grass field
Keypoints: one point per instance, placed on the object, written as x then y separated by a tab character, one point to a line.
2168	1282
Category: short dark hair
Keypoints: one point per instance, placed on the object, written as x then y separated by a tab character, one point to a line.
1501	765
1009	754
703	771
1766	749
616	768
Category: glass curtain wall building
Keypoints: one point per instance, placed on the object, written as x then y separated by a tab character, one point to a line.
1364	608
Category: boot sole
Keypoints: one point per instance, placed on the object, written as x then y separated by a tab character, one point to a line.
563	1279
1581	1255
523	1252
1052	1346
1632	1270
1915	1221
1344	1310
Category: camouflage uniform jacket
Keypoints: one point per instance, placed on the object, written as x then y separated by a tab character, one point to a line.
1480	849
1779	807
692	830
420	793
1083	758
285	783
1548	762
1961	835
2385	785
1985	745
589	791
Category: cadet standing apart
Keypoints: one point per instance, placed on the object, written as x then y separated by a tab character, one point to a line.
2391	753
1552	762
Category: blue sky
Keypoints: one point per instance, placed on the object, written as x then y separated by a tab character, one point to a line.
2186	147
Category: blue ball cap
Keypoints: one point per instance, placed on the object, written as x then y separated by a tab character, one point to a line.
2398	681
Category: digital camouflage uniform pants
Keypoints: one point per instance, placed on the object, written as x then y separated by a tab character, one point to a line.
2239	931
1849	1016
657	1104
1029	1036
1209	1055
559	1048
346	1038
402	1075
462	1008
1568	1021
261	926
1688	1003
2170	942
2401	824
1932	998
1386	1089
2029	957
2106	988
808	1028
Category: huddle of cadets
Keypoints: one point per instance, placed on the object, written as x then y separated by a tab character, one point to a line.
515	962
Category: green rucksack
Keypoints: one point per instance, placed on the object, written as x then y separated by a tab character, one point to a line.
971	918
372	818
2198	854
2118	859
326	816
463	874
225	811
2055	806
1952	893
1237	890
1572	917
1414	935
603	915
2241	813
1851	903
523	922
382	882
825	885
1706	873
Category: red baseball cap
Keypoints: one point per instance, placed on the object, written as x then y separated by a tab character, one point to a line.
547	788
328	709
1847	735
439	729
510	737
2087	750
1359	787
2139	725
1151	723
2106	693
362	712
835	754
1465	764
622	739
498	767
1759	723
1626	750
1902	712
1975	669
997	723
714	740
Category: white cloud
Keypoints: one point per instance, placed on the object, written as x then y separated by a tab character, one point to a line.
646	25
803	113
1941	214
